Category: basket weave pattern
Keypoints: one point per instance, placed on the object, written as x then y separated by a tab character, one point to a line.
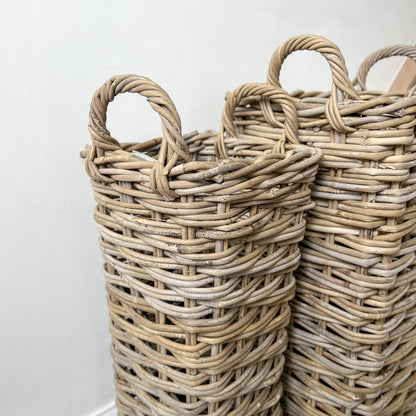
199	253
405	386
352	347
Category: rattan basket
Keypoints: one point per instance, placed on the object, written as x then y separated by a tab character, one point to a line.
352	338
199	253
405	386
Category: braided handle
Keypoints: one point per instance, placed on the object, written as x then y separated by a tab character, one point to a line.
173	148
269	94
341	84
387	52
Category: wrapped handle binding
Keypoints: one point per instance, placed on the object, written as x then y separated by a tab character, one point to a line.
341	84
378	55
173	149
269	94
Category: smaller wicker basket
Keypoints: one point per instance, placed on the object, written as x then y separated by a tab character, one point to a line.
199	252
352	338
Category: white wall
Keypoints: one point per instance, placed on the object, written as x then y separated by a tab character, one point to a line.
54	349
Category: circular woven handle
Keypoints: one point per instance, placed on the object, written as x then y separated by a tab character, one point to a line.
341	84
269	94
173	148
387	52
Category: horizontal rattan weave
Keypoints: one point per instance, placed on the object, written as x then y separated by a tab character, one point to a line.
199	252
352	338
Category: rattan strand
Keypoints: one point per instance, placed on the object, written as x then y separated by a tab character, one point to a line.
352	337
199	253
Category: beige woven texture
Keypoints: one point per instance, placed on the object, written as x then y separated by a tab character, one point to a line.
199	252
352	347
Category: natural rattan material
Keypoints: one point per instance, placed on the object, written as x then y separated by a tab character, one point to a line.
405	385
352	338
387	52
199	253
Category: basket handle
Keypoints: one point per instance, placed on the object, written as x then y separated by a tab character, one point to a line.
341	84
173	148
387	52
269	94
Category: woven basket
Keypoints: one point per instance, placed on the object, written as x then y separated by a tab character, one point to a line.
405	386
199	253
352	339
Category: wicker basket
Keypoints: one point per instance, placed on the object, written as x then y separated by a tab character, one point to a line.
406	386
352	339
199	253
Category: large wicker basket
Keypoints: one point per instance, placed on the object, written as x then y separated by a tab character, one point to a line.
199	253
406	386
352	338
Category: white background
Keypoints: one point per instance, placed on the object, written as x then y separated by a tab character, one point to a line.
54	349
